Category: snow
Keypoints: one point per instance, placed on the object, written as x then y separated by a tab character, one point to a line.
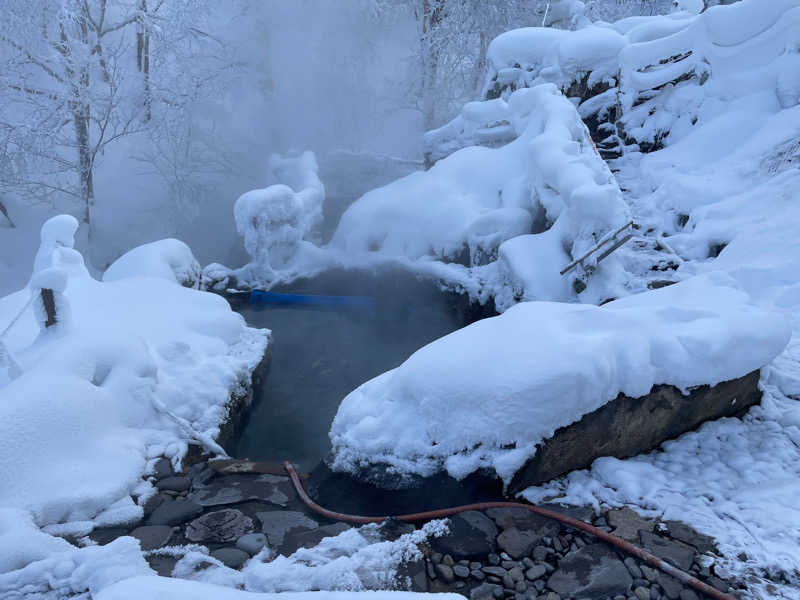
478	198
442	408
140	367
137	588
276	220
168	259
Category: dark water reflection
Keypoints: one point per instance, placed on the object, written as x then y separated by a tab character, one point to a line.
318	357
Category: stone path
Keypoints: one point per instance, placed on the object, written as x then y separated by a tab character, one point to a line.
498	554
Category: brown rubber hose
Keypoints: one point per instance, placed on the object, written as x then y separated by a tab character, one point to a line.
640	553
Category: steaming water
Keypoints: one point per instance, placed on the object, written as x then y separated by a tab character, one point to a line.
318	357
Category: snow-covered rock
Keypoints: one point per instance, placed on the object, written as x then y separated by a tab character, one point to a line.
141	367
479	198
487	394
168	259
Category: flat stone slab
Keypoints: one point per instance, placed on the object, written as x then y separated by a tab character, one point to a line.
472	536
239	488
677	553
522	519
518	543
627	426
276	524
152	536
627	524
174	513
593	571
225	525
230	466
175	484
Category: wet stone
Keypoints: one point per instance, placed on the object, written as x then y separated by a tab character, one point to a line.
642	593
477	574
535	572
445	572
496	571
162	565
472	536
302	538
633	568
232	558
233	489
626	524
152	536
594	570
104	535
677	553
649	573
516	542
174	513
687	594
540	553
276	524
485	591
252	543
225	525
687	535
671	586
461	571
516	574
154	501
163	469
174	484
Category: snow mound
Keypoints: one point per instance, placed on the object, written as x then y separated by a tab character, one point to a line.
276	220
168	259
485	395
478	198
135	368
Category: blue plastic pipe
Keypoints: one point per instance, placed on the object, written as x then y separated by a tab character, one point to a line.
312	301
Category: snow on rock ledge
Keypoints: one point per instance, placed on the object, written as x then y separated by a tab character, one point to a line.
168	259
486	395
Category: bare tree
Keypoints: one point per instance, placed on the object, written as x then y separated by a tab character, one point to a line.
75	77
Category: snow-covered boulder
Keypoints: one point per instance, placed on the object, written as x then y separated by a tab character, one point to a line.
487	395
276	220
168	259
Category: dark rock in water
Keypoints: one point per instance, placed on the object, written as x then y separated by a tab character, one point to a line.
225	525
677	553
231	557
629	426
275	524
232	489
175	513
472	536
152	536
594	571
175	484
380	493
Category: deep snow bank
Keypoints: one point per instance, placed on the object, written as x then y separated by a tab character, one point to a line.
485	395
134	368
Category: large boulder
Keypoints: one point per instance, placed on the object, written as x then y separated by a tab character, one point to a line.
628	426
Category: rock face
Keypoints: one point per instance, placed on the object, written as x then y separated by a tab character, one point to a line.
629	426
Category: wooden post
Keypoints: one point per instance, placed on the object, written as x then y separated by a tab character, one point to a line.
49	302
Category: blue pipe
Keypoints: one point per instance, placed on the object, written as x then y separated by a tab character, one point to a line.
313	302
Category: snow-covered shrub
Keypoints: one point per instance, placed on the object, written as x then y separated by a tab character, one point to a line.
275	220
169	259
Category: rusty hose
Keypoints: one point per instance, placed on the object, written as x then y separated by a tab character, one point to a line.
640	553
